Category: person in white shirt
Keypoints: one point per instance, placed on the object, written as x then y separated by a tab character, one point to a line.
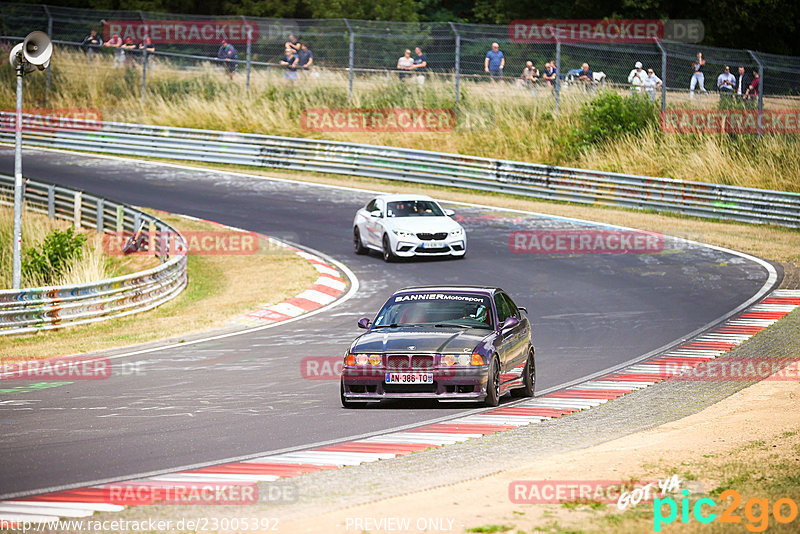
405	63
636	78
726	82
651	82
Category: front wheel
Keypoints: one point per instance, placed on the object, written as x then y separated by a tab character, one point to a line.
358	246
493	384
528	378
388	255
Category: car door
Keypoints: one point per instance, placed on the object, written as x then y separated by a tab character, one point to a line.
505	339
373	225
514	339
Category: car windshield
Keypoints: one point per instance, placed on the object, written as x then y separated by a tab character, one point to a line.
413	208
442	310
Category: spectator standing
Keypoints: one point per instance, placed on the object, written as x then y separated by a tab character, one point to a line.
405	64
495	62
726	82
550	73
420	65
91	43
651	83
228	54
636	78
529	76
305	58
290	61
697	75
148	45
752	90
586	76
119	54
742	82
292	43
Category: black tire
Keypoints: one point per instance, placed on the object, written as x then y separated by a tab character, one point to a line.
388	255
346	403
358	246
493	384
528	378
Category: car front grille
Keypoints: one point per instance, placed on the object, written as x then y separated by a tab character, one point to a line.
429	237
406	363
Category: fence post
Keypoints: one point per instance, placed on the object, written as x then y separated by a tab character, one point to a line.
50	35
249	50
99	217
558	75
144	72
663	77
458	60
760	89
120	219
51	202
352	58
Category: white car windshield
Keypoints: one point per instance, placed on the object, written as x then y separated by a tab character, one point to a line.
413	208
462	310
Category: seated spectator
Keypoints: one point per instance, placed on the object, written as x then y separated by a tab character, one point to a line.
91	43
550	73
529	76
636	78
752	91
119	54
290	61
420	65
228	54
651	83
292	43
495	62
726	82
405	63
586	76
305	58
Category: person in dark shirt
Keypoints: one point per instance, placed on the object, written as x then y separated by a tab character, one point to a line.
91	43
742	82
305	58
228	54
586	75
420	65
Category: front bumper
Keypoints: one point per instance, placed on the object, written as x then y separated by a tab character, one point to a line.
449	384
411	246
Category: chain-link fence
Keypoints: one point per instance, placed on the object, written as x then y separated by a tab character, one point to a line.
363	52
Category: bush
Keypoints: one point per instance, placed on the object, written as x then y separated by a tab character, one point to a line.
606	117
58	250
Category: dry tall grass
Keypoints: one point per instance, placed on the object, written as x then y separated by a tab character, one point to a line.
521	124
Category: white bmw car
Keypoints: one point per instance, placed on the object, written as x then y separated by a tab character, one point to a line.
405	226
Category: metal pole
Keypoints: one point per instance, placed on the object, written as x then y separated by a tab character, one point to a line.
663	77
249	50
558	75
16	272
458	60
144	72
50	33
352	58
760	90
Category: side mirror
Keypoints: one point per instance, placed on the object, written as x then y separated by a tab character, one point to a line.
449	213
363	323
376	214
511	322
523	308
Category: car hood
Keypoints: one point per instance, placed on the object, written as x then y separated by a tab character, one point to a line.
423	340
421	224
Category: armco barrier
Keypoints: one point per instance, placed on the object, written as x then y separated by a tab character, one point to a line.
42	308
454	170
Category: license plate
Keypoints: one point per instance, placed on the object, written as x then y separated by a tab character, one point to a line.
433	244
409	378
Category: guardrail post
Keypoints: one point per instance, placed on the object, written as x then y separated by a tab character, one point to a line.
558	75
151	237
120	219
76	209
760	90
137	222
99	217
457	74
49	34
352	58
51	202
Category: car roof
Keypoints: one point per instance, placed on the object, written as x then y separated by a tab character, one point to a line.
393	197
486	290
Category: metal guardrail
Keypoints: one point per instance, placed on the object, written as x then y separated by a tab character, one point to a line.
43	308
519	178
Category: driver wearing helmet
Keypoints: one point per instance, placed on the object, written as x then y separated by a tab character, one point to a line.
479	313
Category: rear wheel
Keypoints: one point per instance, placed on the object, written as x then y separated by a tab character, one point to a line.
388	255
528	378
493	384
358	246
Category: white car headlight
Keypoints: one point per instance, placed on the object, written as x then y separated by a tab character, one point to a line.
457	233
404	235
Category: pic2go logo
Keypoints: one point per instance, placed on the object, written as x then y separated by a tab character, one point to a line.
756	511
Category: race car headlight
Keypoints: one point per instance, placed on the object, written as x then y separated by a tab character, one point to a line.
404	235
350	360
476	359
374	359
457	233
460	360
363	359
